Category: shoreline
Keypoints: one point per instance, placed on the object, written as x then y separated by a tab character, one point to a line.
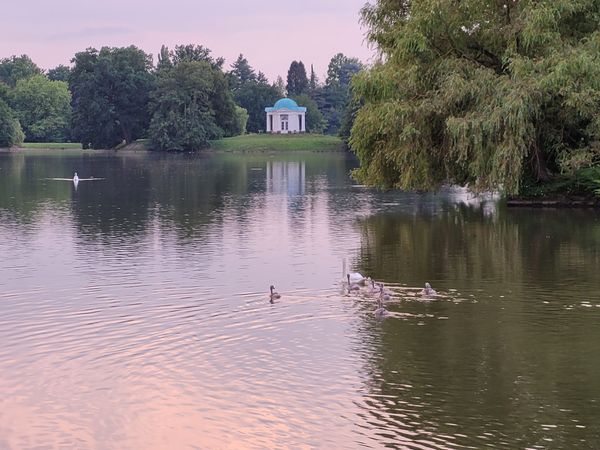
553	202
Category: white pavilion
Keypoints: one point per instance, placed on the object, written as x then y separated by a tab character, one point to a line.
286	117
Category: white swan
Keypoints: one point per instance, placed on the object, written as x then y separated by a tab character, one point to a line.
75	178
357	278
352	286
428	290
274	295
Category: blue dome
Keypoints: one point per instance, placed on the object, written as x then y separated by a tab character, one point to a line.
286	103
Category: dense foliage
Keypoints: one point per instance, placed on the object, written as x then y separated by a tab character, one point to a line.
252	92
116	95
60	73
110	91
17	68
190	106
10	129
485	92
315	123
43	108
334	97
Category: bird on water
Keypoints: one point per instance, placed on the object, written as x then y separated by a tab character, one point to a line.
274	295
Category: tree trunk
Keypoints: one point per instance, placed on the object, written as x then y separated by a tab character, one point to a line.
539	164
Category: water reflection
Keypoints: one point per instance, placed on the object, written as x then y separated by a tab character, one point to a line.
135	313
513	354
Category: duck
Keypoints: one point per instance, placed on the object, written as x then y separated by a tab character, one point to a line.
75	178
274	295
428	290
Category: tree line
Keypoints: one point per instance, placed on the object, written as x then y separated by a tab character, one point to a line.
115	95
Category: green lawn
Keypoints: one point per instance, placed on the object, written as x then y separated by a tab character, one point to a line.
279	142
51	145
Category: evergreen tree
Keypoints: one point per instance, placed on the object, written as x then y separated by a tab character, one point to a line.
314	81
241	73
334	98
251	92
164	59
297	82
262	78
279	86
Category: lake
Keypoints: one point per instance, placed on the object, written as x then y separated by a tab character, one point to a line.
135	312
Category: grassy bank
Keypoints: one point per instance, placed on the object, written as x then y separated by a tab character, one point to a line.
51	145
278	142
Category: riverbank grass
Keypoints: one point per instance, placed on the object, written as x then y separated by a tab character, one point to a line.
278	142
51	145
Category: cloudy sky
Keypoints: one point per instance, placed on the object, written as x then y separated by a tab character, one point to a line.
269	33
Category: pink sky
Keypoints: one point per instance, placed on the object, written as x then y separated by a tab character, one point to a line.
270	34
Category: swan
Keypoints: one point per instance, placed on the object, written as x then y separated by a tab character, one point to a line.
380	311
75	178
428	290
352	286
357	278
274	295
383	294
371	289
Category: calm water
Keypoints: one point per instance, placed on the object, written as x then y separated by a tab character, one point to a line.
134	311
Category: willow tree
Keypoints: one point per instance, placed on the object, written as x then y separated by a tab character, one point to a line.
489	93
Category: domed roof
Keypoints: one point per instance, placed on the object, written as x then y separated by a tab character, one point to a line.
286	103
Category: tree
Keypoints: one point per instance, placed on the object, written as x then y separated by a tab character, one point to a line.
10	130
190	106
489	93
349	116
279	86
191	52
314	119
297	82
110	94
334	98
251	92
241	73
262	78
241	120
43	108
59	73
164	59
17	68
254	97
341	69
313	83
